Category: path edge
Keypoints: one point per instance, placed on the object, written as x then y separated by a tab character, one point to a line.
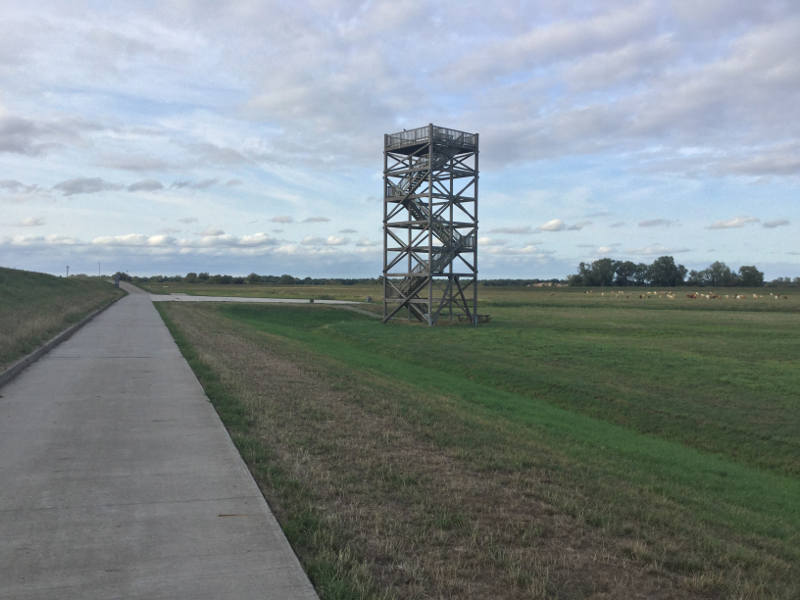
19	366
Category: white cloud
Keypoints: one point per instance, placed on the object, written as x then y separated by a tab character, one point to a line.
331	240
657	250
133	239
776	223
282	219
733	223
32	222
553	225
315	220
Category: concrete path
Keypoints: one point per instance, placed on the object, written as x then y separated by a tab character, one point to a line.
118	480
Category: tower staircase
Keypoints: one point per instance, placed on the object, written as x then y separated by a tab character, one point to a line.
452	241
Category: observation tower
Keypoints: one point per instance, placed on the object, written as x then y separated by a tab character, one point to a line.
430	224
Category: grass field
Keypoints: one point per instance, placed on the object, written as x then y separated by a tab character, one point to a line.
34	307
358	292
579	445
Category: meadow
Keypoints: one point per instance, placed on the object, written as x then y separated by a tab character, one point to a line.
34	307
583	444
356	293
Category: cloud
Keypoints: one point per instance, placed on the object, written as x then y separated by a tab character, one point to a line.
24	136
553	225
617	224
543	45
133	239
204	242
135	162
85	185
32	222
315	220
212	154
523	229
733	223
604	250
233	182
776	223
11	185
365	243
211	232
331	240
313	241
194	185
657	250
348	231
188	220
282	219
578	226
656	223
146	185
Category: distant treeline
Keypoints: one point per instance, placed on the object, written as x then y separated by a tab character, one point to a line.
522	282
603	272
252	278
255	278
663	272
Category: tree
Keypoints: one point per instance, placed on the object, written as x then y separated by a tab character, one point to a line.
190	277
203	276
719	274
749	276
625	270
253	278
695	278
641	274
603	271
665	272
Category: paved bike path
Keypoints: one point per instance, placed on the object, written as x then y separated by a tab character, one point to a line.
118	480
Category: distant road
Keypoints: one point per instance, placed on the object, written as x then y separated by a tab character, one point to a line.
118	480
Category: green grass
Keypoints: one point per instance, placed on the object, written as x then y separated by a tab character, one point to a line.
358	292
667	427
721	382
34	307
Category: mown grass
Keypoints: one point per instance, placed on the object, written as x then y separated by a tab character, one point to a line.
574	447
356	292
34	307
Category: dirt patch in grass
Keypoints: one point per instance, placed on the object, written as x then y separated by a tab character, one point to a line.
381	501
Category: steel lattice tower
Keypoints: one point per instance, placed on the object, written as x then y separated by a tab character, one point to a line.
430	224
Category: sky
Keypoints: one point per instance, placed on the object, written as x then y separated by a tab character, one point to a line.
247	136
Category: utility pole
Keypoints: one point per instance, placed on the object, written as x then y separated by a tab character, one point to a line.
67	270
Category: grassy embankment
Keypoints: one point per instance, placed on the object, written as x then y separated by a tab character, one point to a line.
34	307
579	445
